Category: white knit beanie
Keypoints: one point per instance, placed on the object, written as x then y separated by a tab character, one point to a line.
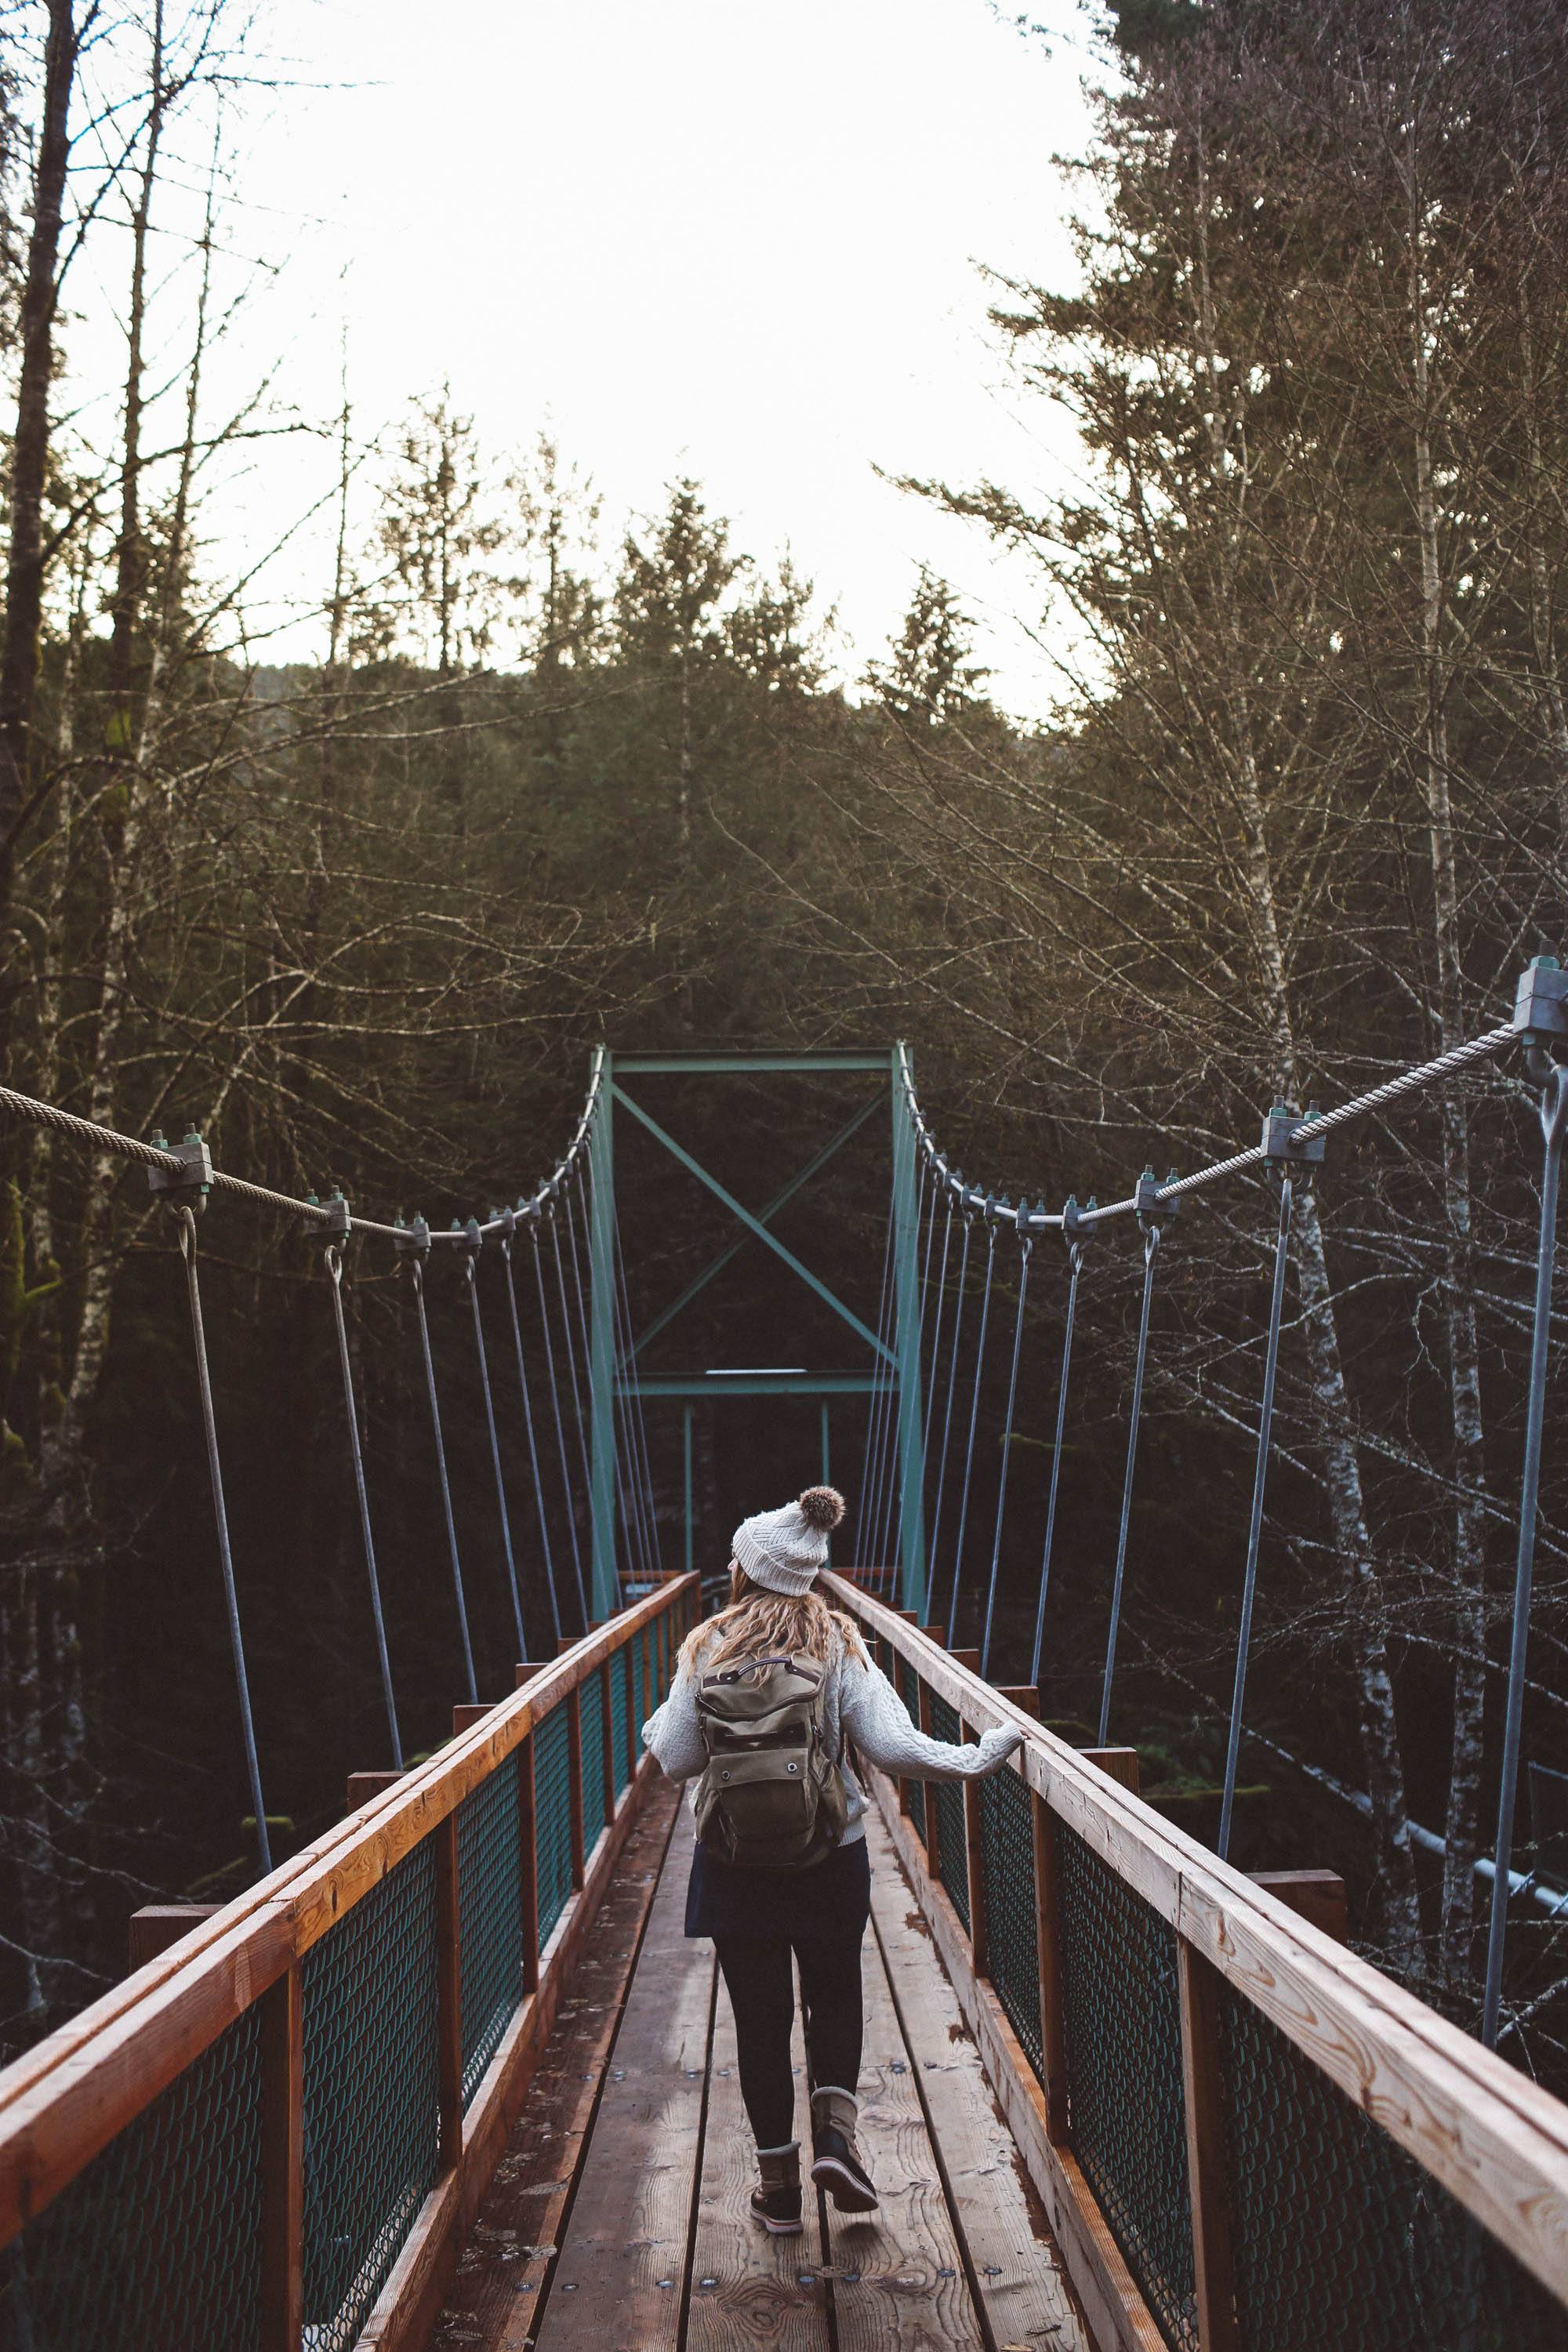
782	1550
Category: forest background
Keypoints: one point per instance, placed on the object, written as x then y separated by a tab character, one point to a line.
1297	817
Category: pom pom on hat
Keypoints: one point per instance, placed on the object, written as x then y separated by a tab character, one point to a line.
822	1506
782	1550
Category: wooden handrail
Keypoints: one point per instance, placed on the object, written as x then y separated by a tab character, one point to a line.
67	2099
1496	2141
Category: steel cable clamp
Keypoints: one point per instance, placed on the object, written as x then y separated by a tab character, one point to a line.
1286	1149
187	1186
411	1240
1153	1212
1540	1014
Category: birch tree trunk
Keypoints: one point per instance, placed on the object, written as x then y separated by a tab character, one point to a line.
1460	1832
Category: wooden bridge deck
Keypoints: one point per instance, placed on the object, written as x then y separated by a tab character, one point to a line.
617	2220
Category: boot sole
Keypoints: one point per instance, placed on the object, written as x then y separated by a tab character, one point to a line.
850	2196
779	2229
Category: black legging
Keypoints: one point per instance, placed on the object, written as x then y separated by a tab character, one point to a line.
760	1977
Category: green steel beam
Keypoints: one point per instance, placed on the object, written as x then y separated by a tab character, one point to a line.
774	1205
906	1274
716	1386
754	1224
686	1457
602	1359
718	1065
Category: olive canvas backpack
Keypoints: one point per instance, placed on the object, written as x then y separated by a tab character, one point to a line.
771	1798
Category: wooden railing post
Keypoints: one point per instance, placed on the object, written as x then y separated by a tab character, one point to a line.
1208	2171
575	1778
448	1992
1118	1764
1316	1894
363	1786
158	1925
608	1732
282	2165
1049	1953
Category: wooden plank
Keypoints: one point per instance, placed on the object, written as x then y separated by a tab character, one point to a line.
748	2288
1208	2168
898	2274
618	2281
465	1715
1116	2314
282	2165
1316	1895
496	2296
1014	2265
156	1926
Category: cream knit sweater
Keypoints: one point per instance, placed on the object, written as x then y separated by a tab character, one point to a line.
859	1704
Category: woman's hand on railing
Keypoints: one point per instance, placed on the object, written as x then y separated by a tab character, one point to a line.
995	1747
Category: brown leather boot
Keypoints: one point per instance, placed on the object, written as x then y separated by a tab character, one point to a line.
776	2204
838	2167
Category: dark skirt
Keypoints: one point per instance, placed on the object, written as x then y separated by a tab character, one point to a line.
834	1894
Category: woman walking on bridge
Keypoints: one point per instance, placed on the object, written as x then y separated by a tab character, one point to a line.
767	1698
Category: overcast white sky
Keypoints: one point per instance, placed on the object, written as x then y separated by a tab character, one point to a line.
691	236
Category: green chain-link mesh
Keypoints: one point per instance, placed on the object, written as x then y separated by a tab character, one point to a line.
157	2242
1343	2244
1126	2109
951	1838
592	1704
552	1818
371	2093
1007	1863
490	1919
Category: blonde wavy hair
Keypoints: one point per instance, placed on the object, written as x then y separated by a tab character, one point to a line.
761	1624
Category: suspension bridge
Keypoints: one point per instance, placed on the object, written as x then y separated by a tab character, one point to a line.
452	2075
